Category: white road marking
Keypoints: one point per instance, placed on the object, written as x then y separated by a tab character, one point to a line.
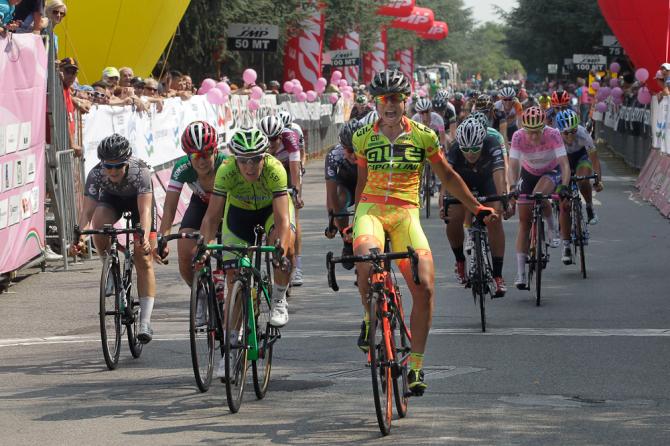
301	334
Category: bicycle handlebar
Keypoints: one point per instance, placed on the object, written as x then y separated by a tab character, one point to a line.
376	258
537	196
108	230
447	201
586	177
331	228
164	239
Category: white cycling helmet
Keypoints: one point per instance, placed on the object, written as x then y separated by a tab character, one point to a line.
507	92
471	133
286	118
423	104
271	126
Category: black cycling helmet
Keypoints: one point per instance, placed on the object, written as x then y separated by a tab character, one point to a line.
483	102
114	147
389	82
439	105
347	132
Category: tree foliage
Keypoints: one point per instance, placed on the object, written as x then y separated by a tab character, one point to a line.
541	32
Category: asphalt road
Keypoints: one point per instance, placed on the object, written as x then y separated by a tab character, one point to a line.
588	367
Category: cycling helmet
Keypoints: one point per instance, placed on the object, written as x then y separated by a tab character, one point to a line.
458	96
470	133
567	120
271	126
483	102
199	136
361	99
507	92
441	95
114	147
286	118
248	142
560	98
533	118
481	117
389	82
370	118
347	132
439	105
422	105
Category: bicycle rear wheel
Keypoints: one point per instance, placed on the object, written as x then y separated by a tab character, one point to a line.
235	345
401	347
382	387
539	259
202	334
266	336
110	314
133	323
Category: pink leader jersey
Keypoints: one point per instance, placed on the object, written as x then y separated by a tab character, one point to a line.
540	159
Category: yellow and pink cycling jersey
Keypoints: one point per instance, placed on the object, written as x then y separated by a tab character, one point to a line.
394	169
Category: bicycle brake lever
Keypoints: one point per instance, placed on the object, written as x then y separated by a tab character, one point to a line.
330	267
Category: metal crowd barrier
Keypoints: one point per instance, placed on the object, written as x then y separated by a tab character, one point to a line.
67	199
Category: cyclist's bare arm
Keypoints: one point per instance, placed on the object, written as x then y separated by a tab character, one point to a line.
513	171
565	169
87	213
280	209
169	211
145	203
499	181
295	168
361	180
212	219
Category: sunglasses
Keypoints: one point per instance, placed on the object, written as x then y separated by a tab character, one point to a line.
151	88
98	95
475	149
569	132
508	99
250	160
391	98
200	155
274	138
59	13
112	166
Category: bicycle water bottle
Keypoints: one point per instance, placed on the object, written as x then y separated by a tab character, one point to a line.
219	277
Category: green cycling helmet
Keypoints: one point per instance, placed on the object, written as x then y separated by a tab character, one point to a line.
248	142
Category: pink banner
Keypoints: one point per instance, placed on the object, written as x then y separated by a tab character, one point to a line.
349	41
406	60
375	61
23	82
302	57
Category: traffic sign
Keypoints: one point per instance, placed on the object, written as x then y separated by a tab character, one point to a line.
344	58
588	62
613	46
552	68
252	37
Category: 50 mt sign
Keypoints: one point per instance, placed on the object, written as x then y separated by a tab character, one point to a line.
252	37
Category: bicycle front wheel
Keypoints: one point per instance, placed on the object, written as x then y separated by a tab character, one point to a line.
110	314
427	188
539	259
578	221
266	336
201	330
235	348
479	285
401	347
380	360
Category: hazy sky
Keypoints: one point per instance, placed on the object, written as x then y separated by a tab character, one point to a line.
483	9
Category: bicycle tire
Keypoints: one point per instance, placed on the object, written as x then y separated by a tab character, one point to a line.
110	335
579	236
382	387
427	189
262	367
202	336
401	347
133	325
235	345
479	286
539	265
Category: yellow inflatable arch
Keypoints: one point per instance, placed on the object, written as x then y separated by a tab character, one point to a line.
119	33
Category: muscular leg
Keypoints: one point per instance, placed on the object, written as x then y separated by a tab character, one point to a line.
422	299
185	248
585	186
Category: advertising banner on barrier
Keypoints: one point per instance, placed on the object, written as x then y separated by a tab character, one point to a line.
23	70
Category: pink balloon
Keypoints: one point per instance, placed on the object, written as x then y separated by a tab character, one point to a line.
253	105
615	67
333	98
617	92
214	96
595	85
642	74
297	89
295	81
256	92
288	87
319	88
618	100
224	87
603	93
301	97
644	96
207	85
614	82
342	83
336	76
249	75
601	107
310	96
322	81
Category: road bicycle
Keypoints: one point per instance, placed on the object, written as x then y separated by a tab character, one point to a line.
246	334
538	253
579	233
480	269
389	338
119	303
